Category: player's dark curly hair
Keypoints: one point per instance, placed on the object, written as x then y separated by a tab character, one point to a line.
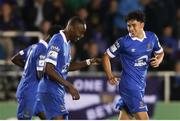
135	15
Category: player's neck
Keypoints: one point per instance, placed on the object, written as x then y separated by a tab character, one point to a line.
66	34
141	34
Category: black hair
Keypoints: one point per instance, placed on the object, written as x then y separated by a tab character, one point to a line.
76	20
54	29
135	15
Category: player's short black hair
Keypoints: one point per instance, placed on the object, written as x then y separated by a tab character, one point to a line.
136	15
76	20
54	29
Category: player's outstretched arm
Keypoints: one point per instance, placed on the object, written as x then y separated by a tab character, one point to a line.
107	68
81	64
17	60
50	71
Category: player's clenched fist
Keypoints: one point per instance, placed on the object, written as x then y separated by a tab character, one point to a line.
74	92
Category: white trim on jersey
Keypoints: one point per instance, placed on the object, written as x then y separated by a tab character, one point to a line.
109	53
64	37
159	51
39	68
135	38
43	42
51	61
21	52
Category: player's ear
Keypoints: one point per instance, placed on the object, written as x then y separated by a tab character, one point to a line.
142	24
71	28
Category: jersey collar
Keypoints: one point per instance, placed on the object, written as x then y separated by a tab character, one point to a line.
64	37
43	42
135	38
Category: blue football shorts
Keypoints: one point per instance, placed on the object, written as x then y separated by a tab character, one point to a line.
132	102
25	107
54	105
38	107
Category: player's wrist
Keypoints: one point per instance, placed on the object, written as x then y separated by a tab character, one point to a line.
88	62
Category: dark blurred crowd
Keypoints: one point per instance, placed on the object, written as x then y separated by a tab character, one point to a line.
105	23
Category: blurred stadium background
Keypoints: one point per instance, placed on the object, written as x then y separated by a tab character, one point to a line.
23	22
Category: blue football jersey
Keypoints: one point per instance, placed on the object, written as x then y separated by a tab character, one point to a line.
35	60
24	53
134	55
58	54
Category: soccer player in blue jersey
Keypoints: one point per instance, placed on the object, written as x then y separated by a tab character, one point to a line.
32	59
51	89
136	51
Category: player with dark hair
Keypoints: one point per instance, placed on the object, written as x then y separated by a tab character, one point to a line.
52	87
135	51
32	59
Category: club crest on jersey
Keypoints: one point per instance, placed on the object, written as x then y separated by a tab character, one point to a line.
149	47
52	54
142	61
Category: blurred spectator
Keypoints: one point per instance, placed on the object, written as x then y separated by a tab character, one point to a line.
170	47
44	27
92	51
100	39
124	7
35	11
158	13
169	43
60	12
109	24
96	14
8	21
175	85
6	47
83	13
177	27
177	77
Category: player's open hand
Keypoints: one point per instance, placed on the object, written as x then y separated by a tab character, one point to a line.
95	61
114	80
154	62
74	92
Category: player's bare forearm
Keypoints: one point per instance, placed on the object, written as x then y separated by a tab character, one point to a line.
107	65
81	64
17	60
77	65
155	61
160	57
50	71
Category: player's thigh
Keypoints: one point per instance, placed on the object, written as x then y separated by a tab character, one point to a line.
135	102
54	106
141	116
123	115
25	108
39	109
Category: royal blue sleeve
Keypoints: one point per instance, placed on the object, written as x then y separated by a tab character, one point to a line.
157	47
24	53
115	49
54	48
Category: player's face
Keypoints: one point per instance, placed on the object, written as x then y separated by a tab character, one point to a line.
78	32
135	27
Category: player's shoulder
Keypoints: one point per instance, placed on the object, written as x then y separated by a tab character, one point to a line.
122	39
57	38
150	34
